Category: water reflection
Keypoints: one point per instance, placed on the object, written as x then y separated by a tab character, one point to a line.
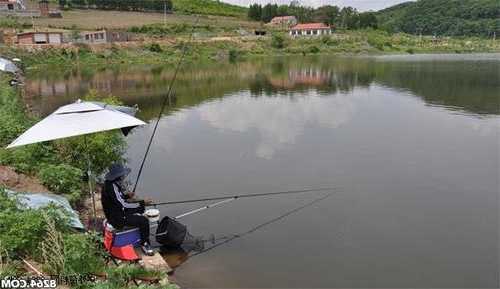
466	83
420	185
278	120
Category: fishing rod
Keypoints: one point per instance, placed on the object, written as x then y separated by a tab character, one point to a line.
166	99
234	197
230	238
204	208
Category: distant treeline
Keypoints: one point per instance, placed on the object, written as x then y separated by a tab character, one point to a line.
124	5
207	7
443	17
347	17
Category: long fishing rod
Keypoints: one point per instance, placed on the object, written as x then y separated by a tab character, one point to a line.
231	238
166	99
234	197
204	208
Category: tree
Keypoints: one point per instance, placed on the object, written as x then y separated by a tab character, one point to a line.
269	12
125	5
62	4
278	41
327	14
303	14
78	3
442	17
255	12
282	10
349	18
368	20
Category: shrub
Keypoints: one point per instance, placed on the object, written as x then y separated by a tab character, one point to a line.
52	248
103	149
154	47
12	119
13	22
81	255
8	267
62	179
22	229
233	55
314	49
123	275
28	159
325	39
278	41
378	40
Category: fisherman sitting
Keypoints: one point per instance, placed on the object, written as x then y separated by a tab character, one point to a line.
120	207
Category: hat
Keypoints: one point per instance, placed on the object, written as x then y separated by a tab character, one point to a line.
115	171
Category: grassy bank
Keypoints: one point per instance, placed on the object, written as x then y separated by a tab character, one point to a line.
89	19
43	236
202	49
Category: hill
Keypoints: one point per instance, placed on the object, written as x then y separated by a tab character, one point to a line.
205	7
208	7
443	17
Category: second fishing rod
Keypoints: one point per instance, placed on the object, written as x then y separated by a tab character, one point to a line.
232	197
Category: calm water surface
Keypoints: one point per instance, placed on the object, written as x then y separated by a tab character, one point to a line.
413	141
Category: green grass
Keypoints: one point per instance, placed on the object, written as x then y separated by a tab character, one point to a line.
208	7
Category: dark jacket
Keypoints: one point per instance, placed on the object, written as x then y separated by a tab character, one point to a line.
115	205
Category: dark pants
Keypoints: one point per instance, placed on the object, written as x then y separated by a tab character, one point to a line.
140	222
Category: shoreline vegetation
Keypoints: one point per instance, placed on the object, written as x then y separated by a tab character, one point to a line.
159	51
42	237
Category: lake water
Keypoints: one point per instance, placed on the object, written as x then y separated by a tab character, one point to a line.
411	141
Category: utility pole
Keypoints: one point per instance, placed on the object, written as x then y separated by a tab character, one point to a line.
165	13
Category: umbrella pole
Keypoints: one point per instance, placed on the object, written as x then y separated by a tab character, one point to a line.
89	176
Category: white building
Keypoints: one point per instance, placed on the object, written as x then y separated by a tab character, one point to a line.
12	5
310	29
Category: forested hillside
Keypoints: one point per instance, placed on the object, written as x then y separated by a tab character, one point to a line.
207	7
443	17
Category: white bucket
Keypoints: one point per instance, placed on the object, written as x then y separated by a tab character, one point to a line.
153	215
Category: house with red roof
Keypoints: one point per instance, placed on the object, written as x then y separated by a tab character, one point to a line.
310	29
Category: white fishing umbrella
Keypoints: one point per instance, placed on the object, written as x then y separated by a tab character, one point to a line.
8	66
79	118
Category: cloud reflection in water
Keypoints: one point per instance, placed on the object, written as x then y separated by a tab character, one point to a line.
278	120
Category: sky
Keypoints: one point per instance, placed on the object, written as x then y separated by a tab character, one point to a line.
361	5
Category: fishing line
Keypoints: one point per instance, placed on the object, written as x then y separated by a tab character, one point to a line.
230	238
164	103
234	197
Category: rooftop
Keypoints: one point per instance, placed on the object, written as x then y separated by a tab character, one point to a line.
44	31
283	17
307	26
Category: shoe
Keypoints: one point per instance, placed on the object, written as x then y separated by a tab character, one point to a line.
146	248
